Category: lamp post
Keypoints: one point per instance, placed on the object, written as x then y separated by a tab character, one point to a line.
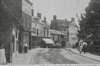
67	32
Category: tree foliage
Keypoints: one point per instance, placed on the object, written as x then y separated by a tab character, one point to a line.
90	21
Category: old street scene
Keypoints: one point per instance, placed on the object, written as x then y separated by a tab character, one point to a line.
49	32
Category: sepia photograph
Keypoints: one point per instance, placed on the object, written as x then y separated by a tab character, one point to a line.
50	32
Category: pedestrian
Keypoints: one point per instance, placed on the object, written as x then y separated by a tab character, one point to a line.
80	46
8	53
63	44
84	46
25	47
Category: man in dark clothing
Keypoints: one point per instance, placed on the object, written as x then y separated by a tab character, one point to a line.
63	44
84	47
8	53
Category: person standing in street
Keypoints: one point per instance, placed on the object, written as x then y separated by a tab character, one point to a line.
8	53
84	47
80	46
25	47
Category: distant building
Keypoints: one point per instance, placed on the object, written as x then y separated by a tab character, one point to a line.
39	29
73	31
70	28
56	35
58	24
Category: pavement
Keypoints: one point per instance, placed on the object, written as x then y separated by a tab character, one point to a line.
40	56
49	56
89	55
24	58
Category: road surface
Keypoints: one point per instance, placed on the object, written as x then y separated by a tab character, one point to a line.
59	56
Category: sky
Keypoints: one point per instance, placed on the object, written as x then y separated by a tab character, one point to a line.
61	8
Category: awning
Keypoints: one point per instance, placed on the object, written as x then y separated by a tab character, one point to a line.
33	34
57	32
48	41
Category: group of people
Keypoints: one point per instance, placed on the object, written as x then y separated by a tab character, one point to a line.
82	46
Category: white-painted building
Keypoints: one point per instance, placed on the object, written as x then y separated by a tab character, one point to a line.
73	31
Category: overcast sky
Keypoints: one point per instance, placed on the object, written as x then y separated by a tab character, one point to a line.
61	8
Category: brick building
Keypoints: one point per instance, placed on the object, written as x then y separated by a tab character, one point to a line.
27	13
56	35
70	28
14	25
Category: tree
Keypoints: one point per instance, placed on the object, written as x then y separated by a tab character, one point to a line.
90	25
90	20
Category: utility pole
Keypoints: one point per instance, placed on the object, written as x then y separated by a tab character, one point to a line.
30	39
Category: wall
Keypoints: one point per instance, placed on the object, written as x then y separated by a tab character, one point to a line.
26	20
10	13
41	28
73	31
26	14
58	24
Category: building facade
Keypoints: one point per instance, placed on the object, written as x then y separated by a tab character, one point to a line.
60	25
13	25
40	29
69	28
27	8
56	35
73	31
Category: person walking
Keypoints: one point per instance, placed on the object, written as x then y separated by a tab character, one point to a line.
84	47
80	46
25	47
